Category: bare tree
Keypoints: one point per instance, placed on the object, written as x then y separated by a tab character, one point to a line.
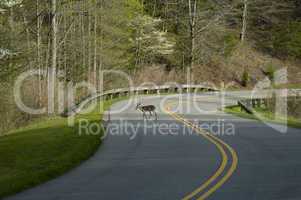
83	35
192	26
39	51
95	45
244	21
89	42
52	70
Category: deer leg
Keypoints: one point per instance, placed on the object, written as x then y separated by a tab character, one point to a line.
156	115
144	115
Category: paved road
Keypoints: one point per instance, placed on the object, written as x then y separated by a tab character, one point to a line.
165	159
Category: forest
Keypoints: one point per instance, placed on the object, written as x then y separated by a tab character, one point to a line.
151	40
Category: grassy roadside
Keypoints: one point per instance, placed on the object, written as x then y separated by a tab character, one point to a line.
265	116
44	150
289	86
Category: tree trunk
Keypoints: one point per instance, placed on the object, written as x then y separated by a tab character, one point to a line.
95	47
65	46
192	24
39	52
100	74
89	45
83	36
244	21
27	33
52	71
155	8
54	39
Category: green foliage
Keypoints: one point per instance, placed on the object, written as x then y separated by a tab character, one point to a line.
269	26
270	72
116	51
230	42
287	40
148	41
134	8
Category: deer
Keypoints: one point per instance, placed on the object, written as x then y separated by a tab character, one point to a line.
148	108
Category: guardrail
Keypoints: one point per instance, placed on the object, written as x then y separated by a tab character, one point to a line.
248	104
116	93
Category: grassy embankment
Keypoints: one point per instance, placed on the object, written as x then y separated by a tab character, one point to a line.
289	86
265	115
45	150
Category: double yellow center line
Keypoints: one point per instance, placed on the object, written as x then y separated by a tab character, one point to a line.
206	189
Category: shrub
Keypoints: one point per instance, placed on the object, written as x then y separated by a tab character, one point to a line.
245	78
230	42
270	72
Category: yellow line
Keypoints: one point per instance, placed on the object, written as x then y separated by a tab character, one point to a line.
217	142
226	177
221	167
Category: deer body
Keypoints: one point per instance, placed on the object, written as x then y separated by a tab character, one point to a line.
151	109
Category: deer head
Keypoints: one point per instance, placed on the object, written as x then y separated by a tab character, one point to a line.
138	105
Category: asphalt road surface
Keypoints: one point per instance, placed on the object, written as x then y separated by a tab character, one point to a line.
175	158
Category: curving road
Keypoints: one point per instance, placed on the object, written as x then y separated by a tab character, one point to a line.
172	158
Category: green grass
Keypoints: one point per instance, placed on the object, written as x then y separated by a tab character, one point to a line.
289	86
44	150
265	115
